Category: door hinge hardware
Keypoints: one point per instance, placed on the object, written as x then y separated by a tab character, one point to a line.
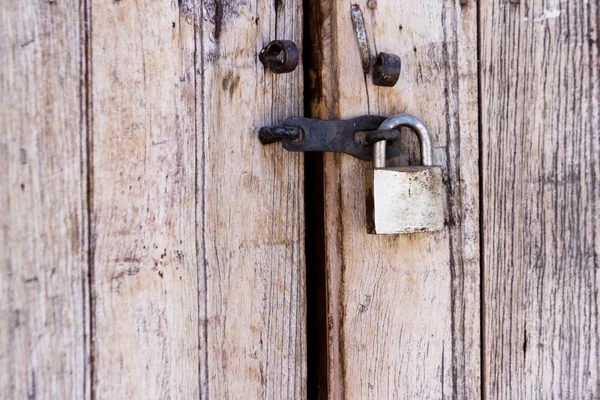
353	136
386	68
280	56
398	200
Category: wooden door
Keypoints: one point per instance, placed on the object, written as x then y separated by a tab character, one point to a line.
504	302
403	311
540	125
151	248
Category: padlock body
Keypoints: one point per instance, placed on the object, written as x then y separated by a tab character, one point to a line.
404	200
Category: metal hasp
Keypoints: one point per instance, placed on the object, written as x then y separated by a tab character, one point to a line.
280	56
353	136
398	200
406	199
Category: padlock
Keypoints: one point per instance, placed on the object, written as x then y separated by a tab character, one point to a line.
406	199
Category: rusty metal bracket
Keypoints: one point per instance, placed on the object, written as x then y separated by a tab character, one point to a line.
353	136
358	23
386	69
280	56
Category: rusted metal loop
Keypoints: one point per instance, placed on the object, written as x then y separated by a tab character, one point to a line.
280	56
273	134
384	134
386	69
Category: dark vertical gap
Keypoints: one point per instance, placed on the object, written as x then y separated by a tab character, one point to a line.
316	301
314	200
481	209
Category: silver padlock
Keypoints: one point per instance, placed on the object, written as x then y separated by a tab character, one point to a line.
406	199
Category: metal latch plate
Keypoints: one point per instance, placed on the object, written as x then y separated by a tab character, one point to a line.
349	136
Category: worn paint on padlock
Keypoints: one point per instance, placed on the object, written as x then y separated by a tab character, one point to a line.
404	200
408	199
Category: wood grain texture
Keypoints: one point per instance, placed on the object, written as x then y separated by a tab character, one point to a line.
198	229
403	310
540	85
43	252
251	217
143	208
196	232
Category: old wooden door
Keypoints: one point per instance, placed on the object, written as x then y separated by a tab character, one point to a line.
151	248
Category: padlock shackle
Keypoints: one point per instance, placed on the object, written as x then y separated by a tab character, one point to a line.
417	126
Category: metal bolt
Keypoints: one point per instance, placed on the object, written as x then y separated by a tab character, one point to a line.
388	135
273	134
386	69
280	56
358	22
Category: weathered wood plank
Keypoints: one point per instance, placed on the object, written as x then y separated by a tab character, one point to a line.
43	252
403	310
250	208
143	228
541	213
197	233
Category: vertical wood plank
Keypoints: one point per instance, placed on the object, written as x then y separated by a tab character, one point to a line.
143	228
541	183
182	199
403	310
43	251
250	207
